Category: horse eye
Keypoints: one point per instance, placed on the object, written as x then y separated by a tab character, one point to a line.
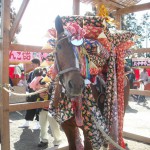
59	46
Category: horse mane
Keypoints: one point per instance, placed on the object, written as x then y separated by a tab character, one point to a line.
59	25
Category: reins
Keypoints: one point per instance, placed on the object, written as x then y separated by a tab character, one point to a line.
61	72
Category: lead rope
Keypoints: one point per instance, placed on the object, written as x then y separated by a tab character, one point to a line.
7	88
106	136
27	94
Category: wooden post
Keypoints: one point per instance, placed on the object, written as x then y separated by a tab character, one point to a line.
4	64
76	7
118	20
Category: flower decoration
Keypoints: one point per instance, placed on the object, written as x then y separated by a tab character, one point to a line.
74	30
103	12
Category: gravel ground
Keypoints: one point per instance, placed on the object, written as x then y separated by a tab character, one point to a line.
27	139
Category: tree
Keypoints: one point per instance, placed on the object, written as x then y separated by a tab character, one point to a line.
12	19
129	23
139	26
146	25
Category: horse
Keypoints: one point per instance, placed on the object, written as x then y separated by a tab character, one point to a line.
70	78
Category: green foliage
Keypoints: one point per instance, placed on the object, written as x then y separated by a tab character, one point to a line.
12	19
141	27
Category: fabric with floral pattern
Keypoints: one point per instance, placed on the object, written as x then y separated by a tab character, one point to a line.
72	19
90	110
91	32
120	51
98	61
120	37
124	46
95	21
114	126
105	43
108	103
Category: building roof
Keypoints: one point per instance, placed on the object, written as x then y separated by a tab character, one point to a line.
112	4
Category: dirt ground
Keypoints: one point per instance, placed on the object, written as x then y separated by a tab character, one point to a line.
136	121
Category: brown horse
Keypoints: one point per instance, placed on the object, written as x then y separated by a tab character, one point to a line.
69	74
71	80
73	83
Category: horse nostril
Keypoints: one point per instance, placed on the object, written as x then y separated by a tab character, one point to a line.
70	84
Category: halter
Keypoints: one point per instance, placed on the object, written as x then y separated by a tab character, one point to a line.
60	71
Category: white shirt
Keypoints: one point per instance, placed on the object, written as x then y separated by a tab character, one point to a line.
144	76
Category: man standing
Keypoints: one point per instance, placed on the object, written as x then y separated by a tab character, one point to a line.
30	114
144	76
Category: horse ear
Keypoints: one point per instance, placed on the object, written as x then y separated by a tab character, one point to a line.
59	25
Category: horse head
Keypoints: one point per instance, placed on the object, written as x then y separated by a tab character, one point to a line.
65	61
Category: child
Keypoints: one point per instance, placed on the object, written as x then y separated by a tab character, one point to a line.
141	98
44	116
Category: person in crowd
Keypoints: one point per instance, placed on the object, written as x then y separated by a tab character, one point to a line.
143	81
45	119
44	116
140	86
144	76
23	81
10	82
130	74
30	114
44	72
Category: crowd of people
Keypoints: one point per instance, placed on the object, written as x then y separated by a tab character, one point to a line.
137	84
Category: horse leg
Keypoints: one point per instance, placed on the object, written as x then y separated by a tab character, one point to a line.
87	143
69	128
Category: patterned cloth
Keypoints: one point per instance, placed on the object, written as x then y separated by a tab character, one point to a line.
89	110
105	43
73	19
75	31
119	37
92	32
104	56
95	21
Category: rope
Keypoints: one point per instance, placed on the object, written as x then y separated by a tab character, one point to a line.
107	137
29	94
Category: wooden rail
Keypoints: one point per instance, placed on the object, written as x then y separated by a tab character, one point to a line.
140	92
141	50
27	105
136	137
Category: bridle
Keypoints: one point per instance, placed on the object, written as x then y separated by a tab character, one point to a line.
61	72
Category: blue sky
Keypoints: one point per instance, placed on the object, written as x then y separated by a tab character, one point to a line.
39	17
